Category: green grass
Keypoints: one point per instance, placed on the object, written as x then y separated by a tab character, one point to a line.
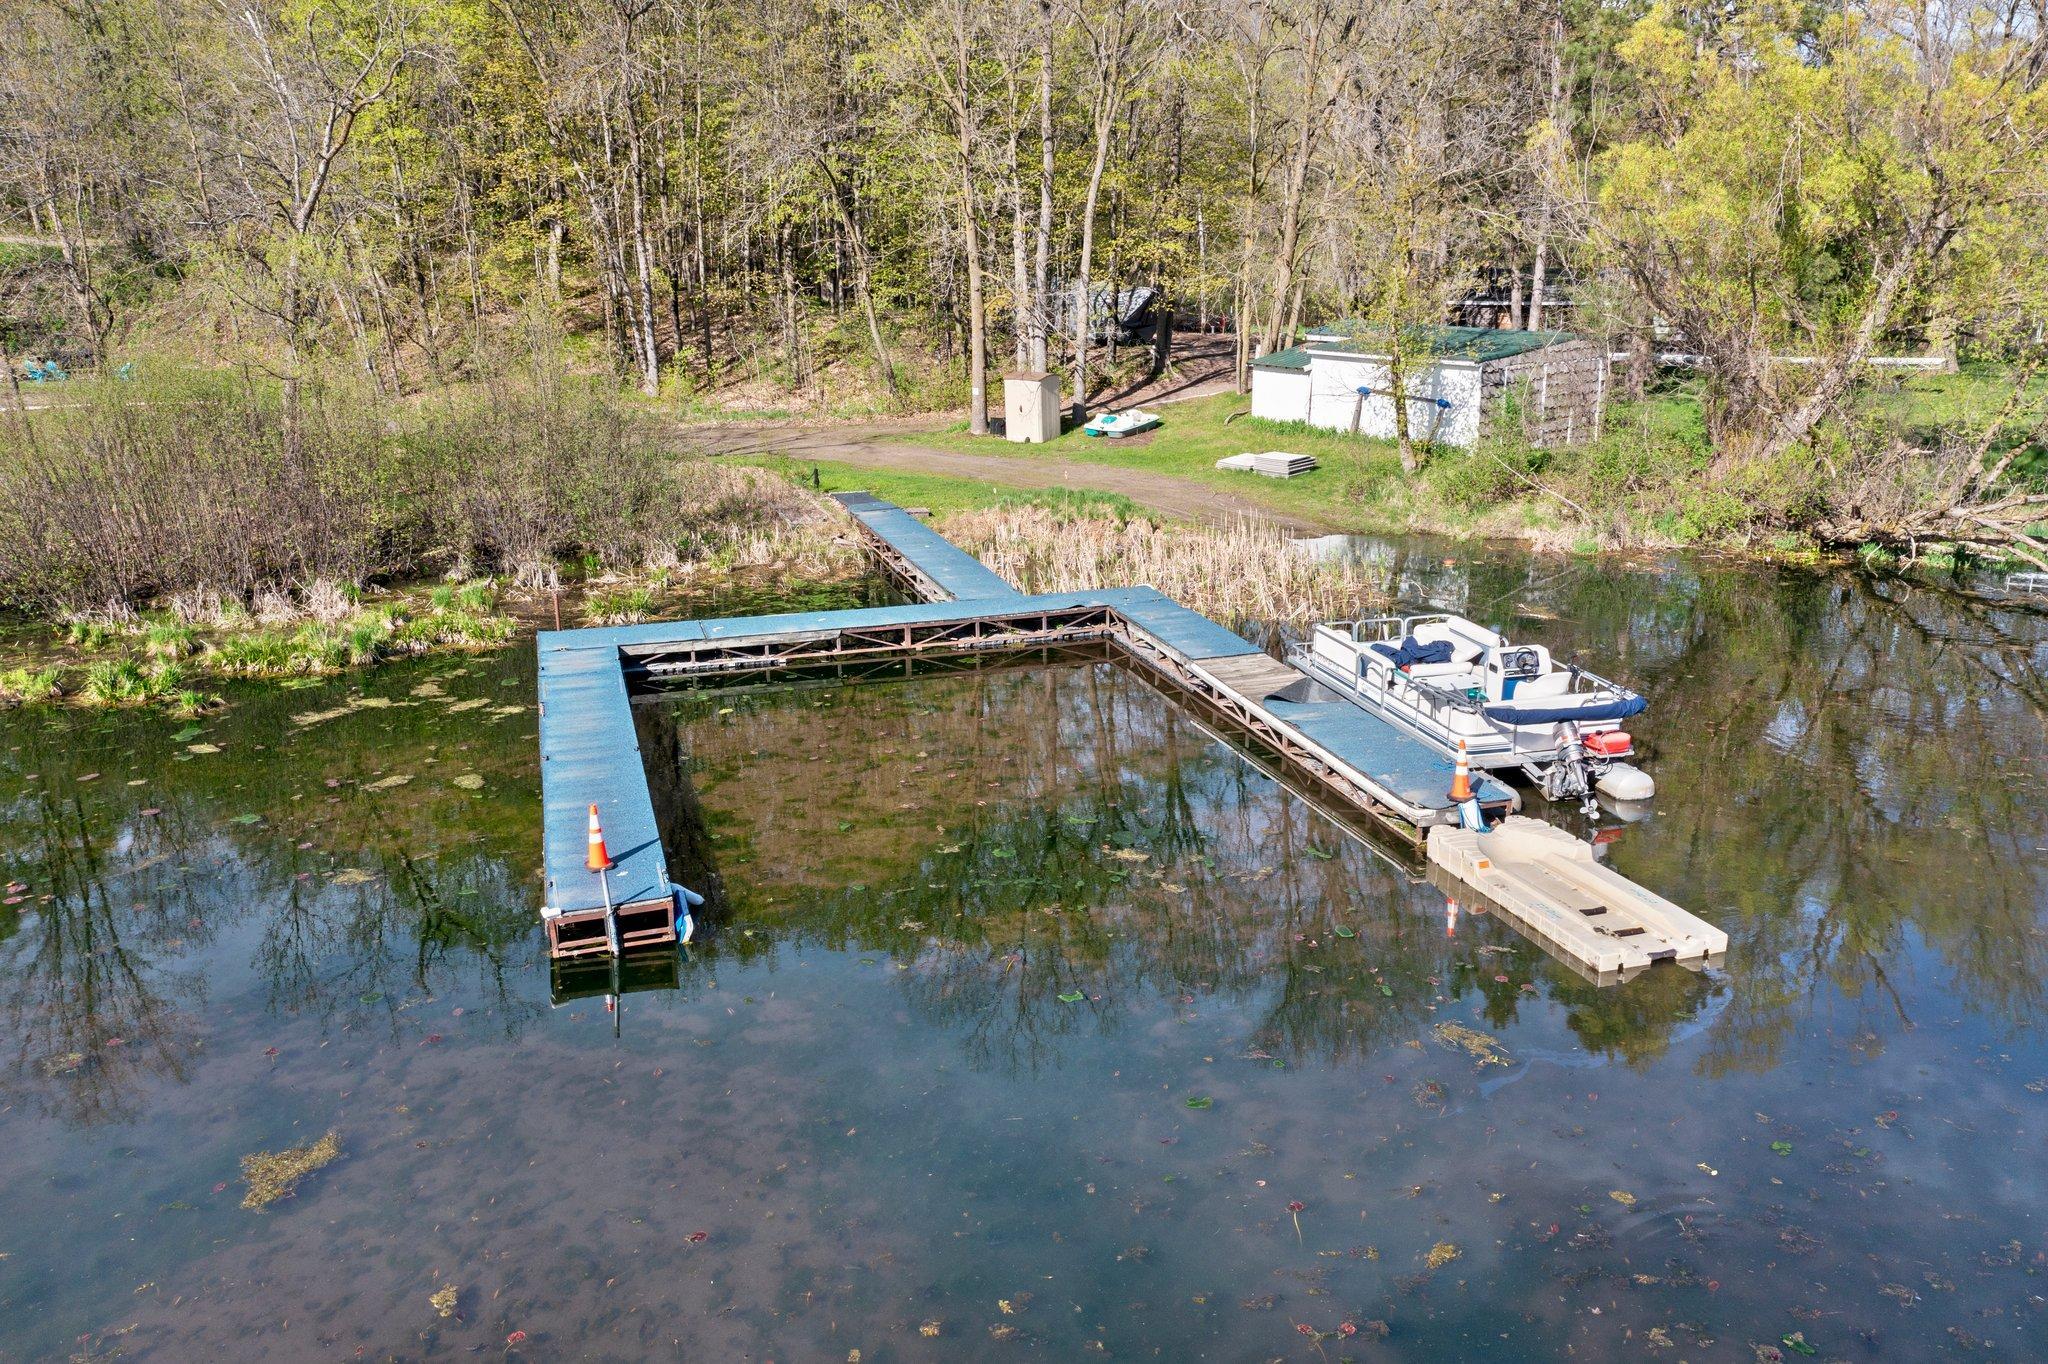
941	494
1192	436
1924	402
1641	479
1358	485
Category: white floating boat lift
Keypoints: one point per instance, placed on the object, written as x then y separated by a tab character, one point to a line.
1550	886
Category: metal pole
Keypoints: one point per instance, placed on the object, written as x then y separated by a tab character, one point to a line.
611	915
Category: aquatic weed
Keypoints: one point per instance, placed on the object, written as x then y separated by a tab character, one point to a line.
276	1174
24	686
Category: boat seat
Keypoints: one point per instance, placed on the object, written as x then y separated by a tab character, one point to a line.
1550	684
1465	648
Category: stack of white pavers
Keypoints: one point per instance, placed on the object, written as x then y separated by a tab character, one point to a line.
1273	463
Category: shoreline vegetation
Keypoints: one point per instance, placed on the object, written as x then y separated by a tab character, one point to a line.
1244	571
189	529
1646	483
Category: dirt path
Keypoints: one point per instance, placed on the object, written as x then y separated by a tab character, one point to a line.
1203	364
865	447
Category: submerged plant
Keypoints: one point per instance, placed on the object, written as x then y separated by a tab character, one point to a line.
1483	1047
276	1174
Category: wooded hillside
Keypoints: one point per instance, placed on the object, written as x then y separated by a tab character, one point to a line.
924	190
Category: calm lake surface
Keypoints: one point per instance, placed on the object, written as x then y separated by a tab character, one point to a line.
1024	1012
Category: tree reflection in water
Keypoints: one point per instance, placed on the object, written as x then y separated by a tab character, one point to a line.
1845	785
347	901
344	872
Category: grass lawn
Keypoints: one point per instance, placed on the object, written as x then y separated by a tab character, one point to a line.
937	493
1358	484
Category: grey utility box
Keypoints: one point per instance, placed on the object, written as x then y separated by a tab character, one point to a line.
1031	406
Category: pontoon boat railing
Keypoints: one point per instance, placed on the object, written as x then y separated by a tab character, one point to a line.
1461	700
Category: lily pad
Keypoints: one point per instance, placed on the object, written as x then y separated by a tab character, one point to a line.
1783	1148
1200	1101
1343	932
1072	997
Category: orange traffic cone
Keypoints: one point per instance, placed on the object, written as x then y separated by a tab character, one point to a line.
598	859
1461	780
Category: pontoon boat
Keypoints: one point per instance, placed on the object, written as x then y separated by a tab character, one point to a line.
1446	680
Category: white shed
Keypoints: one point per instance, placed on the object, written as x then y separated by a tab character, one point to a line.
1338	379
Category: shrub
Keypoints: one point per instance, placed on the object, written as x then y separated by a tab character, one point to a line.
203	492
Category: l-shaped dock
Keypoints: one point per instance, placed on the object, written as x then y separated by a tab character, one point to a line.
590	754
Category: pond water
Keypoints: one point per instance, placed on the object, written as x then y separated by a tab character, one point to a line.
1025	1013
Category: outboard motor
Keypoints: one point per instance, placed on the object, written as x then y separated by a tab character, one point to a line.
1571	777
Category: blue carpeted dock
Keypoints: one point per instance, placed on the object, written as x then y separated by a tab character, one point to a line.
590	753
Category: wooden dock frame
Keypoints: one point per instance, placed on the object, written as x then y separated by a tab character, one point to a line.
587	932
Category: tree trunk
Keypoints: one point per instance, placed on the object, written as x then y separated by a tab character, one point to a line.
1162	330
1838	370
1397	376
1041	261
643	255
1083	322
977	319
1312	113
1642	359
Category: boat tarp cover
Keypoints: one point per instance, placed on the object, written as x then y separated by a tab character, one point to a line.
1413	650
1507	713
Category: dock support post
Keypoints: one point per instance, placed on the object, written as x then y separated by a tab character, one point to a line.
611	913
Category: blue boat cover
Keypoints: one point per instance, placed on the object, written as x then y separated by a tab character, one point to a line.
1508	713
1413	651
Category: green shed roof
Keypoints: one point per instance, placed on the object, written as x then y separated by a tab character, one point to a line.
1294	358
1449	343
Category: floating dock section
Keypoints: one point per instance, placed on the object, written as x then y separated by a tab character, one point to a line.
590	753
1550	886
